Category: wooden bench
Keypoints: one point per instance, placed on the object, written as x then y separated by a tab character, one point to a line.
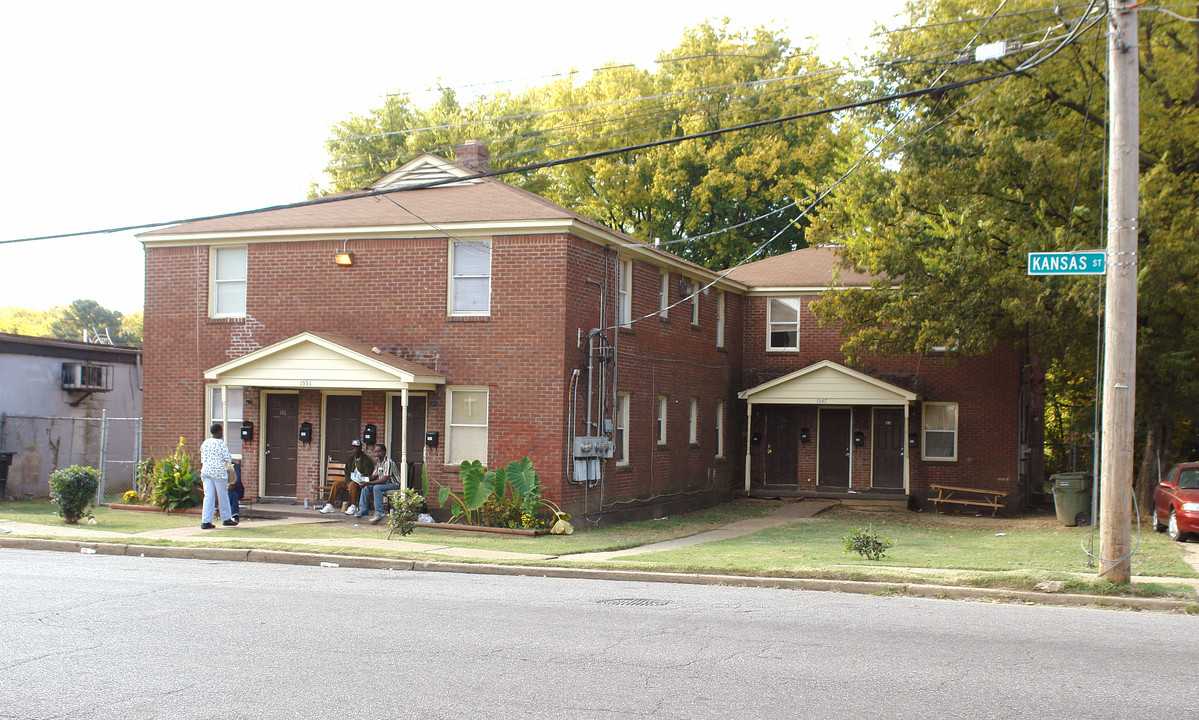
947	494
334	471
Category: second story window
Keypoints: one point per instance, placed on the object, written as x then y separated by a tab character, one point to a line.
228	291
782	321
624	293
470	277
663	294
720	319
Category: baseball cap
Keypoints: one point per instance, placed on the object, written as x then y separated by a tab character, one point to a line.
356	443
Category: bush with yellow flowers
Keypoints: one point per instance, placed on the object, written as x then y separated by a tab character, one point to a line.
176	486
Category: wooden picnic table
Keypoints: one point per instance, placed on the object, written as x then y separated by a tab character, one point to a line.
948	494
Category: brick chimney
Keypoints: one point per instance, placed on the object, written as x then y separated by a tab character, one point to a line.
474	155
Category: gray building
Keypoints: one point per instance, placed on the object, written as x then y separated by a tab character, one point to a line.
66	403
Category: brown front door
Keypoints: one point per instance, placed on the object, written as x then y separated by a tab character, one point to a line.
282	438
343	422
414	426
782	438
888	449
833	442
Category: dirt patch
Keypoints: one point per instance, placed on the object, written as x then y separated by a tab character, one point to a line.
1036	521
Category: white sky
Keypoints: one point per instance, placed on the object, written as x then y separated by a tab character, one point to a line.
124	113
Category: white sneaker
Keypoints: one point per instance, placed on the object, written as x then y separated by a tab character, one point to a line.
328	508
353	510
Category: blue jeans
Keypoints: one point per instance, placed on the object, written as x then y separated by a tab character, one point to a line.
235	495
376	493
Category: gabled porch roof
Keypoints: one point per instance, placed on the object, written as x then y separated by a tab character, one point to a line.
324	361
826	382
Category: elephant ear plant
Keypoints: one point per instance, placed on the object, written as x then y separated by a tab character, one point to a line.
73	490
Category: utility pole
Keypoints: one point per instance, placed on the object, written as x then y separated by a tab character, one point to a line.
1120	324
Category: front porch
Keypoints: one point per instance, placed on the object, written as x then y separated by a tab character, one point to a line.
827	431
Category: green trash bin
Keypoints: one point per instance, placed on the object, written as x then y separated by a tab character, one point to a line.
1072	497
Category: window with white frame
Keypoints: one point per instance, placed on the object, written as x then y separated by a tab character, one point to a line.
663	294
228	290
720	318
720	428
661	419
693	422
621	439
470	277
466	433
624	293
940	430
228	414
782	324
695	302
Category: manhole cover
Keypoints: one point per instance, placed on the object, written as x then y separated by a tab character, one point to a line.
642	602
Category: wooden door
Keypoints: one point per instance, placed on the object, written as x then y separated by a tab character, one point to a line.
888	449
782	440
282	439
833	446
414	427
343	424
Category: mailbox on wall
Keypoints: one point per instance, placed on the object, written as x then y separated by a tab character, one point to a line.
306	432
805	435
431	438
247	431
369	434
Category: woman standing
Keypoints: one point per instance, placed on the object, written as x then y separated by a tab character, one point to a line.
215	458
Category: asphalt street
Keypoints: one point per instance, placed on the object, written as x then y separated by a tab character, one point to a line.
99	636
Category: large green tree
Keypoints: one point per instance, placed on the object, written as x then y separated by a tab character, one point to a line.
717	77
1016	166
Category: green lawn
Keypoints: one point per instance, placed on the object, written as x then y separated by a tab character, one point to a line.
612	537
998	552
42	512
1012	553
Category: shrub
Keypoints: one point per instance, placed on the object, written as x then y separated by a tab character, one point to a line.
176	485
74	490
131	497
867	543
405	506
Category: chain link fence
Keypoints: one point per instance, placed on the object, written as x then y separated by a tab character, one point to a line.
42	444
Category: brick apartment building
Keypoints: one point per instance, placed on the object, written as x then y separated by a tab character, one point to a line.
474	320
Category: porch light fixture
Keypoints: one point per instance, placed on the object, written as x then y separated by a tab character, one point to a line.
805	435
344	258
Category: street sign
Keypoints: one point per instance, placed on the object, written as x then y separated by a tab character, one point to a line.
1081	262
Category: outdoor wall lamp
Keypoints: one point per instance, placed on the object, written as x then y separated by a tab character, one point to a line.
344	258
805	435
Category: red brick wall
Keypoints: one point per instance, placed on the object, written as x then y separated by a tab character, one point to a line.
394	297
986	388
656	356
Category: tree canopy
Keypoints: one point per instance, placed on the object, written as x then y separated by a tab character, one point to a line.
994	171
715	78
70	322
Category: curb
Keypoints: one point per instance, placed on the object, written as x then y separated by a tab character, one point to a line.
860	587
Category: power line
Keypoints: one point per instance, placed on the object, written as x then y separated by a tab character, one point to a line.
583	157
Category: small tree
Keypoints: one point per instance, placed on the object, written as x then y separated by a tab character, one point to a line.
74	490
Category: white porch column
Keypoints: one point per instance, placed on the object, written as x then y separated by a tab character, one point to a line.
907	447
749	439
224	411
404	437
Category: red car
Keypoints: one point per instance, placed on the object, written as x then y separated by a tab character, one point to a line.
1176	501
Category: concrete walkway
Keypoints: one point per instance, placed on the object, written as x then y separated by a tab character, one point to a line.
783	514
